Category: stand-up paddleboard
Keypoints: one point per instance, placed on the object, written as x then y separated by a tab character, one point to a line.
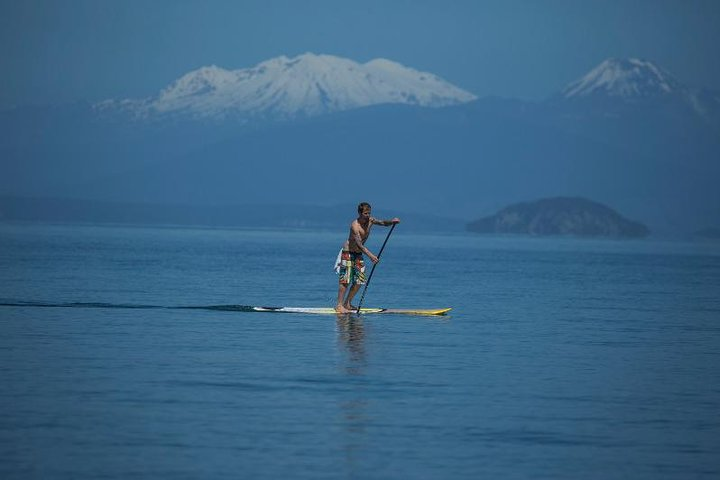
331	311
228	308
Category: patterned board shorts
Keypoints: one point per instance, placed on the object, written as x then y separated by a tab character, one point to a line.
352	269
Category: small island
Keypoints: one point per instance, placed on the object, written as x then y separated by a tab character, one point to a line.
560	216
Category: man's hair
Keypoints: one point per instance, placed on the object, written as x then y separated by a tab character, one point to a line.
362	206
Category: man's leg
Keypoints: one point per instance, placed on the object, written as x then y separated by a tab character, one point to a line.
344	281
353	290
342	288
357	280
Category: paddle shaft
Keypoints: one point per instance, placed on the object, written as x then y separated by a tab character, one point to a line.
367	284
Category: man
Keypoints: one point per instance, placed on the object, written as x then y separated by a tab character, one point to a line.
352	266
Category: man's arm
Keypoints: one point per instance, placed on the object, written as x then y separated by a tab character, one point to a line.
384	223
359	242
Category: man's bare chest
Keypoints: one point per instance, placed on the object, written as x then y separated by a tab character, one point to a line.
362	231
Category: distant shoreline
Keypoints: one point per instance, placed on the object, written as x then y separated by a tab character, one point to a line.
77	211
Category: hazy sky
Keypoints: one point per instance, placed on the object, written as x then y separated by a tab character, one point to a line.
55	51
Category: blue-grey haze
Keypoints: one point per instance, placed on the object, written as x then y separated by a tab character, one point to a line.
655	163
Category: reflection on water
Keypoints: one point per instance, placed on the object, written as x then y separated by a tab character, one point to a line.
353	406
351	339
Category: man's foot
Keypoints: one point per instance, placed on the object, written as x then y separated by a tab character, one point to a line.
350	307
341	309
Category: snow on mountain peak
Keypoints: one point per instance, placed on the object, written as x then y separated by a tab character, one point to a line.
198	82
625	79
305	85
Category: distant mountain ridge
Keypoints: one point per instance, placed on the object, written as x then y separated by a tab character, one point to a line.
282	88
276	216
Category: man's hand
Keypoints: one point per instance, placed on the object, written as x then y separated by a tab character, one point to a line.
373	258
395	220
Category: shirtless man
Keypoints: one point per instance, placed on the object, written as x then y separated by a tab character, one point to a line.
352	266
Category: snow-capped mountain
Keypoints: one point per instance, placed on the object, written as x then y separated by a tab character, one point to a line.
304	86
634	83
625	79
657	158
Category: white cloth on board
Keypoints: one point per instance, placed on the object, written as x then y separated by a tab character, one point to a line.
338	262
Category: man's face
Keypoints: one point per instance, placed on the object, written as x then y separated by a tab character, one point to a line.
365	215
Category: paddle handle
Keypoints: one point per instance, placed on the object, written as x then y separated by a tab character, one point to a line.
367	284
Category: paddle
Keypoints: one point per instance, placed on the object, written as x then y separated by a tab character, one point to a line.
367	284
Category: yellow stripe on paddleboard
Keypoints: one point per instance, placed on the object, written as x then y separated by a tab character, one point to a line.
331	311
438	311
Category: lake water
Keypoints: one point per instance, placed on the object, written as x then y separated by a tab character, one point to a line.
561	359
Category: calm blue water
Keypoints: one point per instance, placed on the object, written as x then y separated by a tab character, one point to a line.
562	359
